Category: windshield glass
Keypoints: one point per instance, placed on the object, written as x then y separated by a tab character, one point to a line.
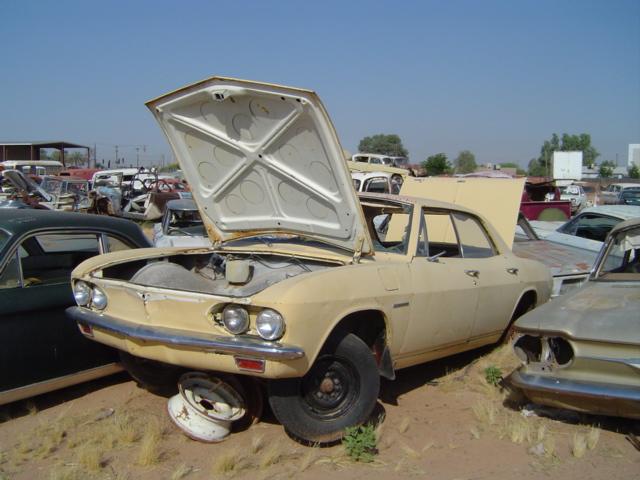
51	185
185	222
622	260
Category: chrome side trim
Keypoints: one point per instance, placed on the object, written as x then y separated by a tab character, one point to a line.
45	386
574	388
182	338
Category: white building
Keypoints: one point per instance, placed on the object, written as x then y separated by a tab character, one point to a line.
634	154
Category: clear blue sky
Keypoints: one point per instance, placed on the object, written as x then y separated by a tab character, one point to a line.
494	77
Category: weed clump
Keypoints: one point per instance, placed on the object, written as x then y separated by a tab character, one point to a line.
493	375
360	443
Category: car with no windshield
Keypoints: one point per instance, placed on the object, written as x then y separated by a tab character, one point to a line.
582	351
40	349
308	287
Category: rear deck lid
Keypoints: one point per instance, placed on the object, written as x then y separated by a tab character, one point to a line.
262	159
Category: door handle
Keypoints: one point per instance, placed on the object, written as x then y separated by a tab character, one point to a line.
512	271
472	273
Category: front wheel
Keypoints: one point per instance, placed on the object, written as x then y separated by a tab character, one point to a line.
339	391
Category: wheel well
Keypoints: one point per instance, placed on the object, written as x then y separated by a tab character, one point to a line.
528	300
366	324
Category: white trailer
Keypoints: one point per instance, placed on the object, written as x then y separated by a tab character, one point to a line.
567	165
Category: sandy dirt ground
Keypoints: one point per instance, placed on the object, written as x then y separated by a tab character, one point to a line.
441	420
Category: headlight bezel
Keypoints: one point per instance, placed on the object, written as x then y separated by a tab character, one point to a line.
277	325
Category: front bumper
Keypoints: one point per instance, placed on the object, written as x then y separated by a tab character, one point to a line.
597	398
171	337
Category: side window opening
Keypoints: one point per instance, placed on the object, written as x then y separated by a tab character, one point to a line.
51	257
474	240
10	276
441	236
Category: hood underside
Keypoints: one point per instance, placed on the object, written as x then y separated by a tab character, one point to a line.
262	159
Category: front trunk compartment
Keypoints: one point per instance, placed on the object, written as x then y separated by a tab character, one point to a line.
224	274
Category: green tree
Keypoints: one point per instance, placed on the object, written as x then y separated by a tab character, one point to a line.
569	143
536	168
384	144
436	164
465	162
634	171
606	169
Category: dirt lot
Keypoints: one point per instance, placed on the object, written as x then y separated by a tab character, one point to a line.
441	420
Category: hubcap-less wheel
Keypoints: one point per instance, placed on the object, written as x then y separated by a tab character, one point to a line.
330	388
339	391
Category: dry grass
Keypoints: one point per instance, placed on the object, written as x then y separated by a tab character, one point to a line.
475	432
404	425
486	413
228	462
593	437
89	456
308	459
257	444
410	452
578	445
149	452
518	430
271	456
181	471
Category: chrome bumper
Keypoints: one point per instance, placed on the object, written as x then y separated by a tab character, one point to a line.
172	337
572	388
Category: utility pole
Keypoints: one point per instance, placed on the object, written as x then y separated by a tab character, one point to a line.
137	157
116	154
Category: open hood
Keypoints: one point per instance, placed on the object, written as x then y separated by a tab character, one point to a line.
261	159
24	184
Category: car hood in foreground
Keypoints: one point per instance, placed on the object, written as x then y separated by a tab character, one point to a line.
262	159
600	311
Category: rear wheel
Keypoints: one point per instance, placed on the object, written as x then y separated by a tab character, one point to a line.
339	391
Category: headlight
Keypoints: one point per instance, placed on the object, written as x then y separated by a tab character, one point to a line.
98	299
270	324
235	319
82	293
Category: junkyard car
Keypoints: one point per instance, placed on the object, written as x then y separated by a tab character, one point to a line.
589	228
181	226
307	286
376	182
42	350
582	351
575	194
611	194
629	196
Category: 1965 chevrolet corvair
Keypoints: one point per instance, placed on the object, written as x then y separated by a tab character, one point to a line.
307	286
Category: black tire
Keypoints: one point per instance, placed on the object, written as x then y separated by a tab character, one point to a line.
157	377
339	391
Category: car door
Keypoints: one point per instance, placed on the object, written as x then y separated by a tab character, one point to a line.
496	276
445	293
39	342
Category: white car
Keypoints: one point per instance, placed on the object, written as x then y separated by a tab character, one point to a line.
181	226
589	228
378	159
377	182
575	194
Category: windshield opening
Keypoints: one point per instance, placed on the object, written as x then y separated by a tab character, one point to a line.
622	258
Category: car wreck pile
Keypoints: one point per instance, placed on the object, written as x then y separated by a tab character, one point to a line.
294	284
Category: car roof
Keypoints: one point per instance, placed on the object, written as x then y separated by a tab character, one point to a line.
420	202
19	222
623	212
627	224
182	204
